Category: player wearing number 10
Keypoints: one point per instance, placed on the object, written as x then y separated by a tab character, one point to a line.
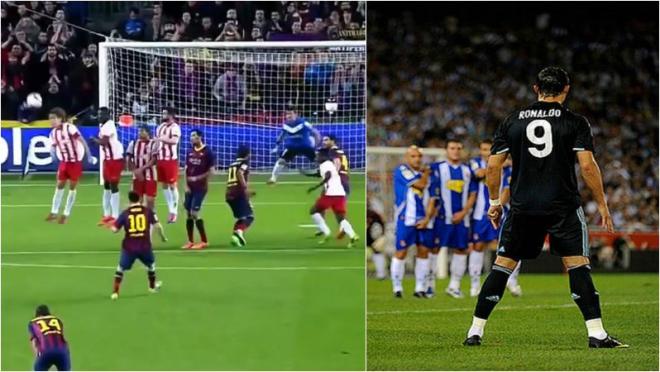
48	343
545	139
136	221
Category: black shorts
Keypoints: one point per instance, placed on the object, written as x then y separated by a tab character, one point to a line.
240	207
522	236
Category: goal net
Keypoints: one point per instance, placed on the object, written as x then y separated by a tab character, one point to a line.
237	92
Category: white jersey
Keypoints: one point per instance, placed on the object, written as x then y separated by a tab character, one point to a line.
169	151
66	140
114	150
333	187
141	153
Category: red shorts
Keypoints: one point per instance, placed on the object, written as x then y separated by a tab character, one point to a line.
145	187
69	171
337	203
112	170
168	170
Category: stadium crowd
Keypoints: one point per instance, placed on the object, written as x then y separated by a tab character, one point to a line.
42	51
454	77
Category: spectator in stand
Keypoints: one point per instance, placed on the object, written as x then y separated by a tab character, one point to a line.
347	21
84	82
41	46
274	25
188	89
229	90
50	10
19	38
132	28
53	64
296	28
54	96
13	72
60	32
256	34
230	32
208	31
5	24
10	101
140	108
157	94
259	20
185	30
29	28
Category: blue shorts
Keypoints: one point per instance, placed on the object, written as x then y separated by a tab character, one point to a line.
241	208
127	259
454	236
483	231
193	200
59	358
291	152
407	236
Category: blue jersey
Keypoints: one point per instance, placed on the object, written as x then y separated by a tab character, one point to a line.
298	134
409	202
506	184
453	184
482	204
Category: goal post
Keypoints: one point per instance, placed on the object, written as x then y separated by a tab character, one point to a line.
380	189
236	92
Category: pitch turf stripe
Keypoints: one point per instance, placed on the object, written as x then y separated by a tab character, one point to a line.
192	268
52	184
499	308
162	204
211	250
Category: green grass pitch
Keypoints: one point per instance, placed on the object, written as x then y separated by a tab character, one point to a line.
542	330
282	302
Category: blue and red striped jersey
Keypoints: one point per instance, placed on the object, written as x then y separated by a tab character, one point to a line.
48	331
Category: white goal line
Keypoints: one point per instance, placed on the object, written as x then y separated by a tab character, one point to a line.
526	307
211	250
192	268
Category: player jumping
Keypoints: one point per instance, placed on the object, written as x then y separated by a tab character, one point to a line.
136	221
141	158
545	139
69	147
333	197
113	163
168	135
298	137
200	162
47	341
238	195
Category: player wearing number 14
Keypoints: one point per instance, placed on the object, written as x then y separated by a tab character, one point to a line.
48	343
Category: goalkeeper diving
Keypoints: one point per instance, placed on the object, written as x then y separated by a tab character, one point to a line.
298	138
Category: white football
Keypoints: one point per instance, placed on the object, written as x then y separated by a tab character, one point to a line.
33	100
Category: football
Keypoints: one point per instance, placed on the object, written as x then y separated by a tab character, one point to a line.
33	100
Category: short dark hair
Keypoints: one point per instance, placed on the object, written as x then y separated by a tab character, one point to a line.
145	128
487	141
42	310
331	137
133	197
59	112
170	110
197	132
552	80
243	151
291	107
454	140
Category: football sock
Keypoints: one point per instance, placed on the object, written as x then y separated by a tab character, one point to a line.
276	170
190	225
151	275
477	327
456	270
175	199
433	270
107	209
595	328
513	279
70	199
119	275
379	262
396	272
348	229
421	273
167	193
247	221
492	291
57	201
320	223
200	228
475	265
583	292
114	203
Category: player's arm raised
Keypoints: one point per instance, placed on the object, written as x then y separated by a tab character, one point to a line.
493	181
594	181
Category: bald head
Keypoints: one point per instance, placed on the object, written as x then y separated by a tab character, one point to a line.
413	157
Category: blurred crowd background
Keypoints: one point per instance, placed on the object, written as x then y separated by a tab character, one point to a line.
456	72
43	52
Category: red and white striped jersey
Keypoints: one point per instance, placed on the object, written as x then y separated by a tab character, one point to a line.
65	139
142	152
171	131
114	149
